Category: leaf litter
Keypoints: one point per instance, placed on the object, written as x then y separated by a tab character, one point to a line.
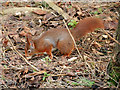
96	48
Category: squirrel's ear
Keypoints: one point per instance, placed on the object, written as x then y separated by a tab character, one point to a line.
27	45
28	41
28	38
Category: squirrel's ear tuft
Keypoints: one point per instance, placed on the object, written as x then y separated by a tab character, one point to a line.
28	37
28	42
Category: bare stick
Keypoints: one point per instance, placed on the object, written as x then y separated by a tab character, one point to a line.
13	48
73	39
111	37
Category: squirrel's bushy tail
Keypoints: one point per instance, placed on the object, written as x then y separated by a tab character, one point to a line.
85	26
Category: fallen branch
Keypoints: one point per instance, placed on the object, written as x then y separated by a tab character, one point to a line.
57	9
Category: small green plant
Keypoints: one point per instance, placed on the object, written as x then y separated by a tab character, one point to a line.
85	82
44	4
75	83
99	11
114	72
34	70
45	76
70	6
46	59
96	12
109	84
5	66
3	77
115	78
72	23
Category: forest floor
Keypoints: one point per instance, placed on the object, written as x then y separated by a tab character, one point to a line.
96	48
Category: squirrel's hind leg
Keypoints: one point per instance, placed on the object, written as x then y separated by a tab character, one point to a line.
65	47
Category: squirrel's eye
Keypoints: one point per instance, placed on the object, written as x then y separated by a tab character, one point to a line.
29	51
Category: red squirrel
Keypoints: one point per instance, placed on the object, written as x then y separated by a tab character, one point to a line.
60	38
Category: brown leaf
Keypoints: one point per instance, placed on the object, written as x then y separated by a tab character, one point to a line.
26	28
48	16
25	71
6	3
39	12
25	31
32	79
26	18
70	74
5	42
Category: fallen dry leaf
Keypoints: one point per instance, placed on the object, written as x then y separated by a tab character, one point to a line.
25	71
5	42
39	12
32	79
48	16
25	31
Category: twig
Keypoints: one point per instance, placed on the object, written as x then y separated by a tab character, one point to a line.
41	72
14	49
59	75
73	39
56	8
111	37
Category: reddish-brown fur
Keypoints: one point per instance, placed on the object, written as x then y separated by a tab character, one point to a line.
85	26
60	38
